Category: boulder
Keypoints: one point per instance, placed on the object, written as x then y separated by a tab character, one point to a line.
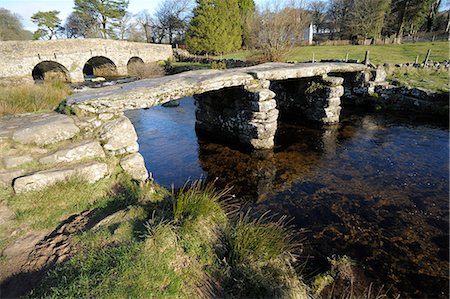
91	172
134	165
82	150
49	128
119	137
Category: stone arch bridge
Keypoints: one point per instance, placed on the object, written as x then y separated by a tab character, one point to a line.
70	59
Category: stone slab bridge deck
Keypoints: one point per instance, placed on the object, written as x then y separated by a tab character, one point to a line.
241	105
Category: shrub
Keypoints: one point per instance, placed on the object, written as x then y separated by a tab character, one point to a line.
218	65
146	70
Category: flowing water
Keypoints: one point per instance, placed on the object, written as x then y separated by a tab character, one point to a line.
374	188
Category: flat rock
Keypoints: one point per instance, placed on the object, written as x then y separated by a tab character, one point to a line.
91	172
82	150
40	129
7	177
15	161
119	137
134	165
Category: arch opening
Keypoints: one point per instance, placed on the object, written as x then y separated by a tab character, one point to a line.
100	66
135	66
50	71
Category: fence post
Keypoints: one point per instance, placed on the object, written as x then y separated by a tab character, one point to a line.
425	62
417	60
313	58
346	57
366	58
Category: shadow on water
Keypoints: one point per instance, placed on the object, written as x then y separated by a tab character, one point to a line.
374	188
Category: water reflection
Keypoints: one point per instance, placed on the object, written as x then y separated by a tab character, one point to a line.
374	187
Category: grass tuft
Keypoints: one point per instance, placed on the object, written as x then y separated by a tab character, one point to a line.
32	97
260	258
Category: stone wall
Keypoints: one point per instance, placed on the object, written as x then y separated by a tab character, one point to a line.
20	57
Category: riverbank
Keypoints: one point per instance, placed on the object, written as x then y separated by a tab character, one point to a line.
127	239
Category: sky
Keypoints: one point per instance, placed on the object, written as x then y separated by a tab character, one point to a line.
26	8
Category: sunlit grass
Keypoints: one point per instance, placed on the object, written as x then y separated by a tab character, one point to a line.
379	54
427	78
32	97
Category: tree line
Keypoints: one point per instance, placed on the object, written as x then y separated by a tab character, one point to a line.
220	26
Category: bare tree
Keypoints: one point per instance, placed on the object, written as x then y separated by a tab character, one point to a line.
171	19
367	18
145	22
278	27
318	10
123	26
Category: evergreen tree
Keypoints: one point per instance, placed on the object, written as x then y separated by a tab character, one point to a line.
215	27
105	13
409	15
48	23
247	10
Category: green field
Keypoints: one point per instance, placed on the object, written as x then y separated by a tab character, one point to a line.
379	54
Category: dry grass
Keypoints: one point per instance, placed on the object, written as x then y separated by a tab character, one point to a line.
146	70
32	97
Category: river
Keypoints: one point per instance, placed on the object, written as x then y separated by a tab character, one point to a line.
374	188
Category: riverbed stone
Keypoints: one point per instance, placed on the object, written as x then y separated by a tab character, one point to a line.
86	149
15	161
119	137
134	165
48	128
91	172
7	177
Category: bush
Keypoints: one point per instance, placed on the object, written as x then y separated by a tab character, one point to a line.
218	65
32	97
146	70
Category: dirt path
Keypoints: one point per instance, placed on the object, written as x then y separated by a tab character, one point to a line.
29	258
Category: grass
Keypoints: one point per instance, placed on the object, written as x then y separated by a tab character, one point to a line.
379	54
428	78
190	248
32	97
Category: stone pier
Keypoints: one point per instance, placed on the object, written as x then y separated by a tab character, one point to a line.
323	100
245	115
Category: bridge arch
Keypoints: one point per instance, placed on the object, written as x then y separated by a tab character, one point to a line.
100	66
50	71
